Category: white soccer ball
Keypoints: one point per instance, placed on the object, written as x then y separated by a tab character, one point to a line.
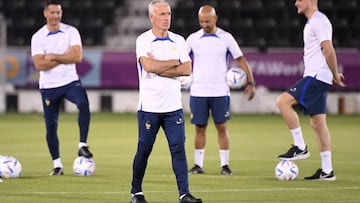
10	167
236	78
286	170
185	81
84	166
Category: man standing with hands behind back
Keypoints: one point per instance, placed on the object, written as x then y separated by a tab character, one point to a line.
311	91
210	47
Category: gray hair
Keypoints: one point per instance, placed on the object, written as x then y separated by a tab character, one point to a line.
154	2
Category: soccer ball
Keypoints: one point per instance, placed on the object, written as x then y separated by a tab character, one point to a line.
236	78
84	166
185	81
10	167
286	170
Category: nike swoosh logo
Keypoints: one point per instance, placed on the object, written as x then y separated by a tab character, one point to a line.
180	121
323	176
296	154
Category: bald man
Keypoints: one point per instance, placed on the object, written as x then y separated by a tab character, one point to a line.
311	91
210	48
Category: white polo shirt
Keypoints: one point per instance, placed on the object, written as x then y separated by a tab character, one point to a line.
210	61
159	94
317	29
46	42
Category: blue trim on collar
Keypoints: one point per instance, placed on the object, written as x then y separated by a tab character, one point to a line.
209	35
162	39
54	33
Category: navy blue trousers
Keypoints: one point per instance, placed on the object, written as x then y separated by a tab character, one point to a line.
51	100
173	125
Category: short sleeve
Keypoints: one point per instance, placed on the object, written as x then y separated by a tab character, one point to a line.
188	44
36	45
141	47
184	53
234	48
75	38
322	28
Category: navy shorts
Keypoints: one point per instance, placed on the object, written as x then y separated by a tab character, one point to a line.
202	106
311	94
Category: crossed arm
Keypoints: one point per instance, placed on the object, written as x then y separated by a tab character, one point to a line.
166	68
48	61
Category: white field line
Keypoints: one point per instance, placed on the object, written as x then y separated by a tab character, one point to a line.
195	191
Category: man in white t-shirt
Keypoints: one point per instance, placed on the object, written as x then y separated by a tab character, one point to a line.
55	49
210	47
161	58
311	91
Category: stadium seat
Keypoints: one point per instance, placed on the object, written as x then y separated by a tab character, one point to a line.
89	16
228	9
327	7
251	8
274	23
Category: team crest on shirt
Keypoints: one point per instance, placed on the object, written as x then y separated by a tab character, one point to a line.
47	102
147	125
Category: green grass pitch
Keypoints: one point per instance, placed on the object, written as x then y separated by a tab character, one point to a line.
256	141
